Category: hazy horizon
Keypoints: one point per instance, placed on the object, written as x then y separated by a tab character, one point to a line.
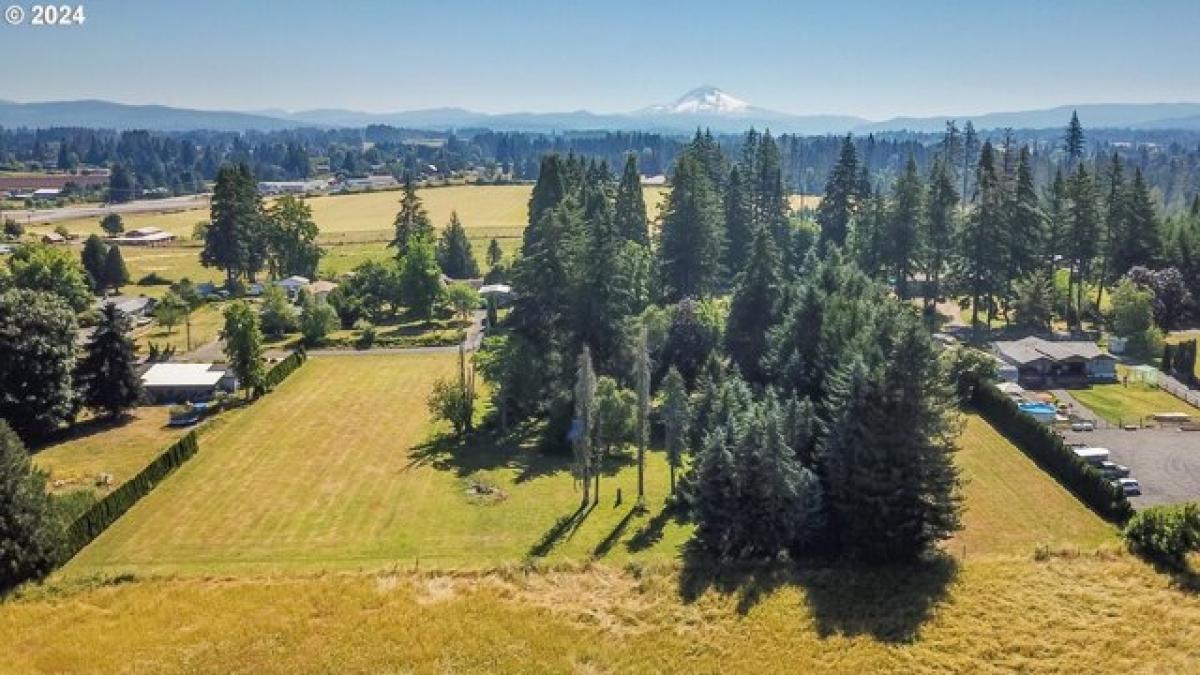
871	60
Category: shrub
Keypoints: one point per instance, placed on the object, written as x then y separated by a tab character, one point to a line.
154	279
1165	534
1045	447
281	370
366	335
106	511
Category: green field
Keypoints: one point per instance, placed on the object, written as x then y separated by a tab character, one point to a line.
1130	404
330	472
1012	506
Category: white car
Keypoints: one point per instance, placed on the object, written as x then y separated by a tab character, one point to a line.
1083	425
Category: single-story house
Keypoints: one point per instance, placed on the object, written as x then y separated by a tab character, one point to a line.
293	284
320	289
46	193
53	238
132	306
186	382
291	187
1043	363
144	236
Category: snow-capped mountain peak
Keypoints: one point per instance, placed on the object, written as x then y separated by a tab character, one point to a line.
705	100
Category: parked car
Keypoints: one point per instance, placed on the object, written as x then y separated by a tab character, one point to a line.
1114	470
1128	485
1083	425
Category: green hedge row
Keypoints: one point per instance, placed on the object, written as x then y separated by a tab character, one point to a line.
279	372
104	512
1055	457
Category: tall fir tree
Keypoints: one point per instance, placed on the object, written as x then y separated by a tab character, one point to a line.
739	223
980	240
675	418
31	535
233	240
585	411
107	375
1073	139
548	192
938	239
690	241
1114	222
1083	231
970	151
770	200
411	221
1141	241
116	274
905	225
93	258
841	197
454	253
629	209
752	311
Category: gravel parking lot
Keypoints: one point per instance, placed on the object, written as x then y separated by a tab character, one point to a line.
1166	462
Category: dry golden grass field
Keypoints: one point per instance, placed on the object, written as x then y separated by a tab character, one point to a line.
320	530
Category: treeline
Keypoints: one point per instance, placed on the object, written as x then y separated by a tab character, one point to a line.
180	162
805	408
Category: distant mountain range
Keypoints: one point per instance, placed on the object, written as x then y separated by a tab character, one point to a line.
705	106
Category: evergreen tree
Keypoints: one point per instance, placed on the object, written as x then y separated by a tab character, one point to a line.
1056	221
122	187
1140	241
641	377
690	248
752	312
37	357
603	298
420	280
970	150
770	200
233	240
1025	222
980	244
494	254
629	210
841	197
938	239
892	488
675	419
1073	139
107	375
31	537
244	345
411	221
454	253
291	239
116	274
93	258
739	223
549	191
583	427
1083	230
1034	300
905	225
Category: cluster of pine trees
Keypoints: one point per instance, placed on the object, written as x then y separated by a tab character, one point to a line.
779	368
978	225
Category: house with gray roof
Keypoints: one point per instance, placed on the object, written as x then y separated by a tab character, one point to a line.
1044	364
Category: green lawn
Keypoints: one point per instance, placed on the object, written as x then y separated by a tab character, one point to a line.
331	471
1012	506
1129	404
207	321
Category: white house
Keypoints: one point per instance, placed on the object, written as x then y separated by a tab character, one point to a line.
144	236
186	382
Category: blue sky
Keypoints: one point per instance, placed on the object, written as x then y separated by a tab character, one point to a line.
874	59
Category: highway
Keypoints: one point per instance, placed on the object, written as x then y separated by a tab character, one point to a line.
46	216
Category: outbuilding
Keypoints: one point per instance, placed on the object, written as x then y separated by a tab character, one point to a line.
186	382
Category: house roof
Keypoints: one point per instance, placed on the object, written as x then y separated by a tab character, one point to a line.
321	286
127	303
502	289
183	375
1030	349
293	281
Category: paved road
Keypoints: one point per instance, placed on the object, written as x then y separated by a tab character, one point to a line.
44	216
472	341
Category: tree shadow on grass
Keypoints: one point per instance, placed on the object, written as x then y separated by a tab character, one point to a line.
80	430
652	532
486	450
889	603
562	529
614	536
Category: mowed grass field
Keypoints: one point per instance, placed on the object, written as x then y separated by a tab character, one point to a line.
331	472
1012	506
1130	404
316	530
